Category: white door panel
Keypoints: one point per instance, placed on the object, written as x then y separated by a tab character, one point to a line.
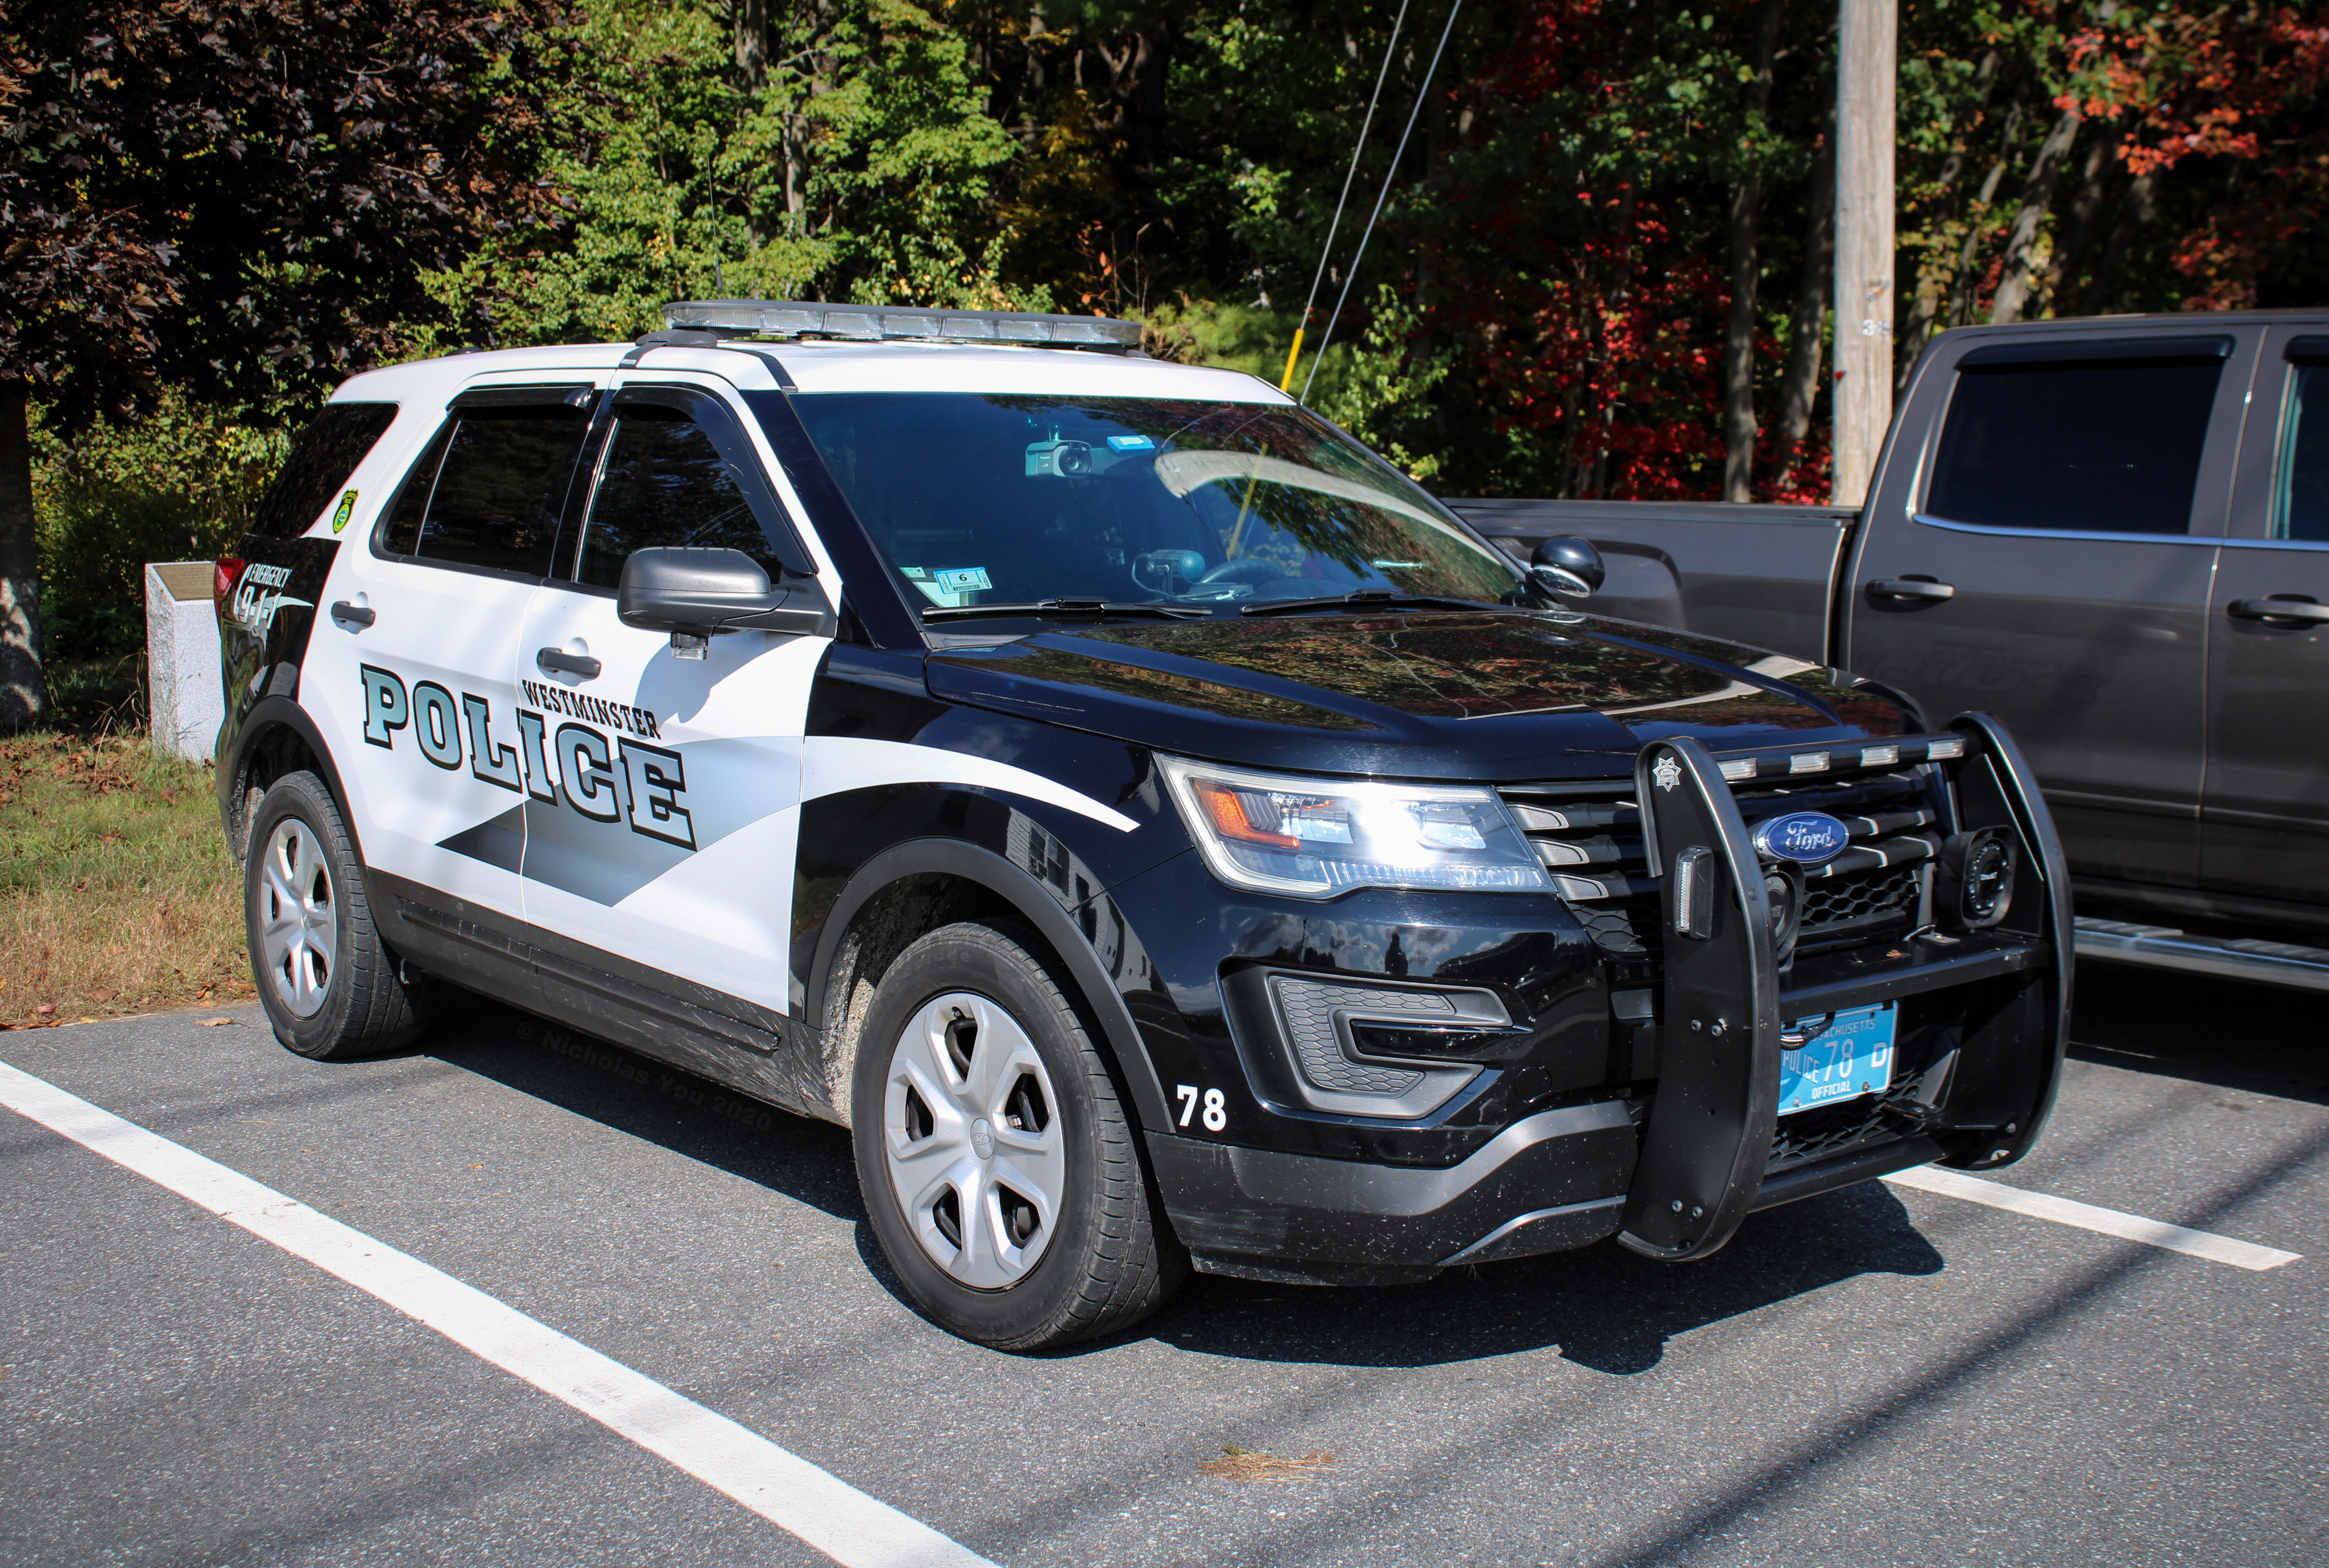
417	709
669	835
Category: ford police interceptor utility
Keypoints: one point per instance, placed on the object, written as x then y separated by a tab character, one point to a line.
1158	830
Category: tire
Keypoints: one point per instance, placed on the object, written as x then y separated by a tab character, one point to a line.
1000	1172
331	990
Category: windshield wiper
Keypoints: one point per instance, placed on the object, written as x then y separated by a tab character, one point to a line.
1063	607
1364	599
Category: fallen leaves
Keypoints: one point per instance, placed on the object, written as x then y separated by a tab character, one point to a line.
213	1022
1237	1464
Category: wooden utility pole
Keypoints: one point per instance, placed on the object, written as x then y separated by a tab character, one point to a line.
1864	242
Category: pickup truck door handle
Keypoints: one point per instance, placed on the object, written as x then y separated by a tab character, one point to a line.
1909	588
2293	611
353	614
554	661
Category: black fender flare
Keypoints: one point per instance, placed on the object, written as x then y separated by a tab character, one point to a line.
1033	903
234	756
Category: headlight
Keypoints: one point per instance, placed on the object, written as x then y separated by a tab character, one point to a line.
1316	837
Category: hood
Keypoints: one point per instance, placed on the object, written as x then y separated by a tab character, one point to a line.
1496	694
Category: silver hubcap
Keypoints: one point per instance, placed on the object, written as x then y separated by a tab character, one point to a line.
299	919
972	1131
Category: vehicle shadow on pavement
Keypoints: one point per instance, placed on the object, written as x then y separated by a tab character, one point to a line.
803	1159
2261	1039
1601	1307
1604	1307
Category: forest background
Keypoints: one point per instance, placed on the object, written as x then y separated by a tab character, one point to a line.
1600	269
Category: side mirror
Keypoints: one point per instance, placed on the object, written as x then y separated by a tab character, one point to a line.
694	593
1568	565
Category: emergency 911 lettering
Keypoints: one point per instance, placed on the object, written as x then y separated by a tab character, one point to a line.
627	780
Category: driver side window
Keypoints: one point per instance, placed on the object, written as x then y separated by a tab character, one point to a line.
664	483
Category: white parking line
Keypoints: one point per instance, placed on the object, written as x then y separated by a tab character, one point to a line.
2087	1217
827	1513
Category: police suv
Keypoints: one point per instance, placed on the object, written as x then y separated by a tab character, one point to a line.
1159	830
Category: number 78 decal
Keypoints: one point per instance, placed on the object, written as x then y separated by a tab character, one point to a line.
1217	1114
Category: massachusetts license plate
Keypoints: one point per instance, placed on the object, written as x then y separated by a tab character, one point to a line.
1851	1057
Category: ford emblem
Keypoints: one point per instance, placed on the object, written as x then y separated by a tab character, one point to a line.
1807	838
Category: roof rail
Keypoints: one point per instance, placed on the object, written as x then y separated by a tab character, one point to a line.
875	323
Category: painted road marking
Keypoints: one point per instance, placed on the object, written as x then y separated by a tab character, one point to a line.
2087	1217
827	1513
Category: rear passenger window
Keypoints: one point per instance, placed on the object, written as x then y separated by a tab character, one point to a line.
488	491
2093	445
2302	508
663	484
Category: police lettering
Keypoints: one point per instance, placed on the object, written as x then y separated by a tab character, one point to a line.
607	779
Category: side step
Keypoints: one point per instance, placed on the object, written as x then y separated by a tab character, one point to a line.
2232	958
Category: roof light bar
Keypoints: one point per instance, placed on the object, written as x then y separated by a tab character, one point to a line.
877	323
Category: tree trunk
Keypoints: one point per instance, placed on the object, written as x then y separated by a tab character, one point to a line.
1746	272
2134	212
1962	286
24	692
2071	248
1946	197
1799	383
751	19
2037	201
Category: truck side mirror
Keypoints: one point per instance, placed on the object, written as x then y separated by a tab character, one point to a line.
1569	565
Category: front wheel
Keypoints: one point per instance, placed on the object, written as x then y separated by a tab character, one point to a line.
1000	1172
330	989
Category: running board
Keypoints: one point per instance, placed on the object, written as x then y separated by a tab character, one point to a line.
2230	958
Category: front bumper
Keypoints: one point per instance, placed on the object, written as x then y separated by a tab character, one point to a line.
1674	1173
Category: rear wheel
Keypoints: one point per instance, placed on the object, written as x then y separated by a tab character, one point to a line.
330	989
1000	1172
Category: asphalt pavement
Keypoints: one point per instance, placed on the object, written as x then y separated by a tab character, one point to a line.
1882	1375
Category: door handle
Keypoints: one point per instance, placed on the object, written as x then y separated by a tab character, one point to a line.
1910	588
353	614
2289	612
554	661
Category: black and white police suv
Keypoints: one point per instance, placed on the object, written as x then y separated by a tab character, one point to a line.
1161	832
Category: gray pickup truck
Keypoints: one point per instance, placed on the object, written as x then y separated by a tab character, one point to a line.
2114	535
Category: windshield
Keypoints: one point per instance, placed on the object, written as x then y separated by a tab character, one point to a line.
994	498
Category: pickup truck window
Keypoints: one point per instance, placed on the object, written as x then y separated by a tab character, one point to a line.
2075	445
2301	507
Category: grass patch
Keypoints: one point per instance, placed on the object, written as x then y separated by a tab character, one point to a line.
116	892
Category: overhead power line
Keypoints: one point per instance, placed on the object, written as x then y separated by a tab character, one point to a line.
1392	175
1285	382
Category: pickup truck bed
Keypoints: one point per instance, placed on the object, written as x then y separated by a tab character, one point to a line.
1764	575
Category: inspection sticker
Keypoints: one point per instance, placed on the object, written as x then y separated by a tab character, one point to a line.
963	578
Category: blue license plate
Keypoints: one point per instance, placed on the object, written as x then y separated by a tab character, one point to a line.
1851	1057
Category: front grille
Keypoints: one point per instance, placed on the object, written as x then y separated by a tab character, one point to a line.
1860	907
1589	837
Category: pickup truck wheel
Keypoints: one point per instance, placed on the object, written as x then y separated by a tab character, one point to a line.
1000	1172
331	989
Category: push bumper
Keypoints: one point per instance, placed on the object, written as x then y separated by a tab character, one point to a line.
1677	1187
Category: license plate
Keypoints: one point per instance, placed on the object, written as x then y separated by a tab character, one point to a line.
1851	1057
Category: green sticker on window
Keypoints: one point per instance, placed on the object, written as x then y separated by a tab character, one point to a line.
346	509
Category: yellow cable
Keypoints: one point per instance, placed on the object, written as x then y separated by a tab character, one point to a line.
1285	382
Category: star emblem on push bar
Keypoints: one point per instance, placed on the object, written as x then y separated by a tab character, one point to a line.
1667	771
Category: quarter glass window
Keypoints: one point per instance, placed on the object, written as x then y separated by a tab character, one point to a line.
664	484
2101	448
2303	508
326	452
494	495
